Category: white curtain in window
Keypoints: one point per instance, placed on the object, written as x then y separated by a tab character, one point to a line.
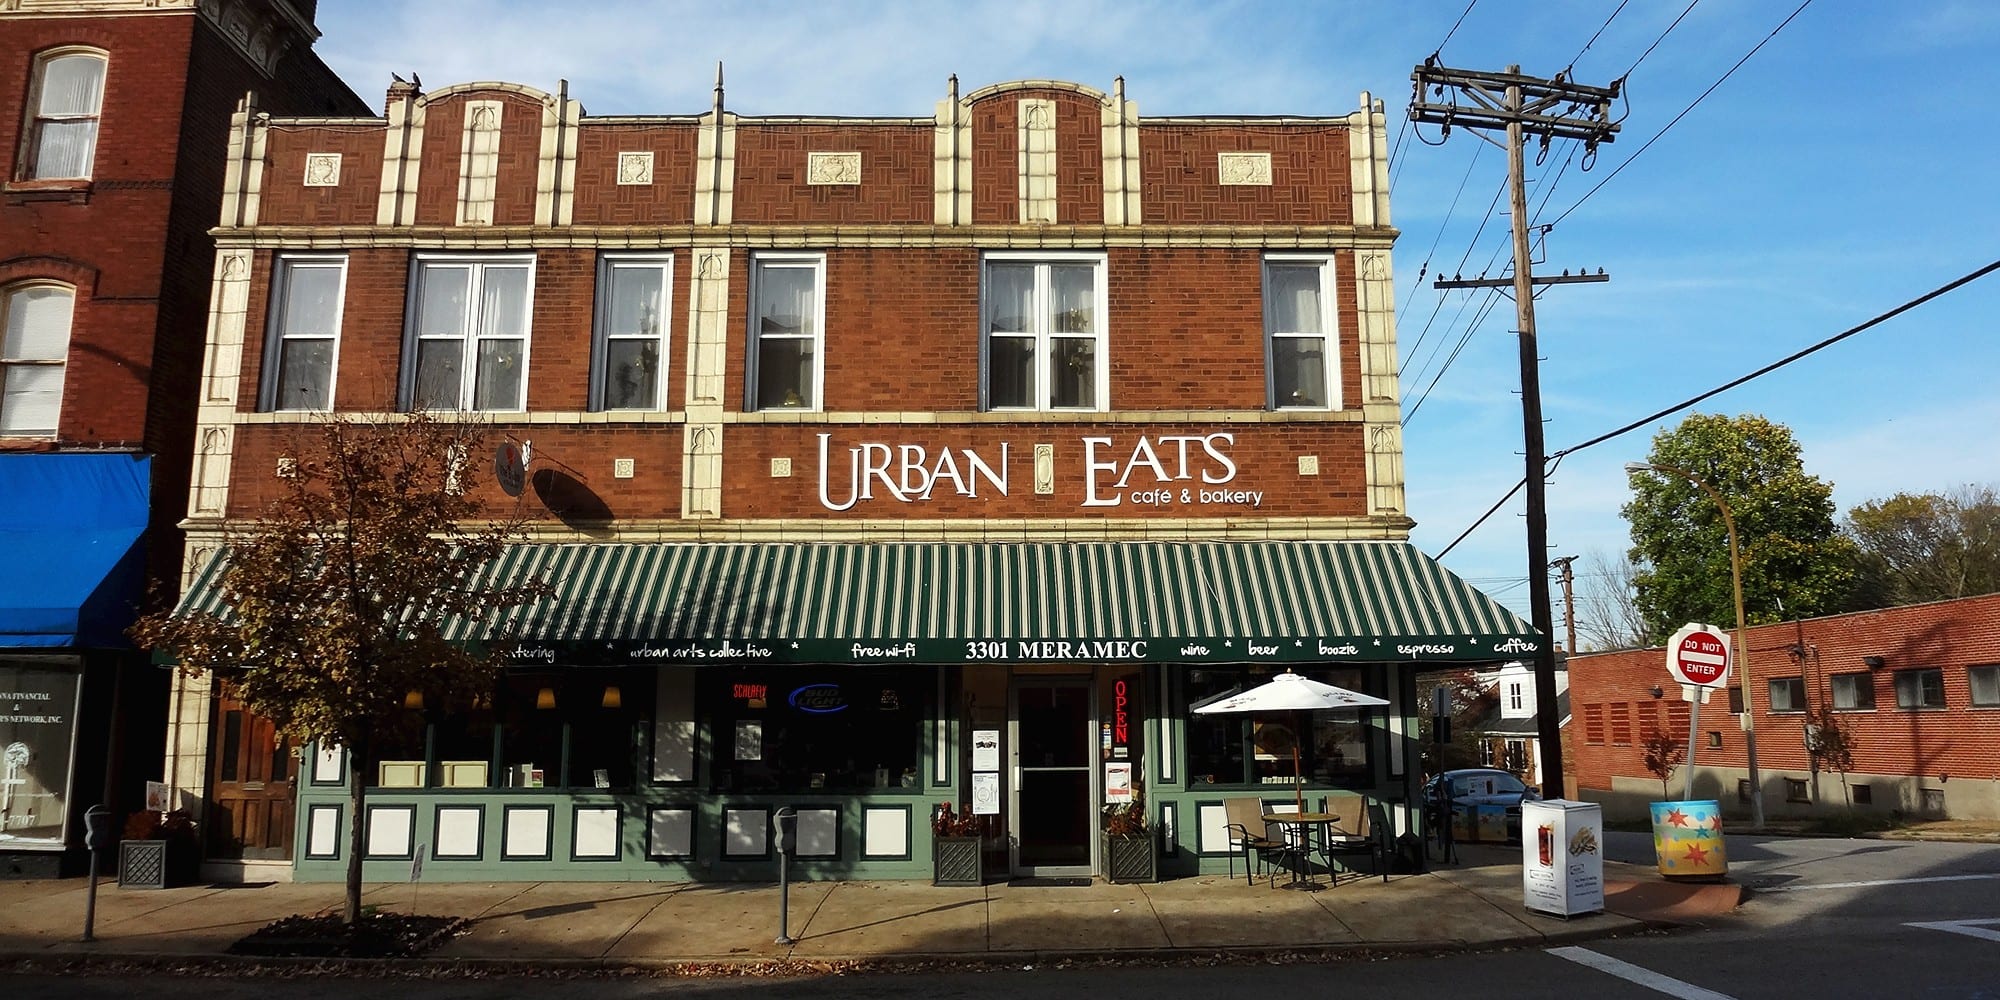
1010	297
72	91
503	305
32	352
1295	300
1072	299
785	300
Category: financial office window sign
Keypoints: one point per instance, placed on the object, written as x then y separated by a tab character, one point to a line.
37	735
1164	471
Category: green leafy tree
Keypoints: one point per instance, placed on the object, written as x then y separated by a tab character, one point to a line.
1917	547
334	598
1795	563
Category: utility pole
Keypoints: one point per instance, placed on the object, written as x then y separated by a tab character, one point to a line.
1569	600
1551	109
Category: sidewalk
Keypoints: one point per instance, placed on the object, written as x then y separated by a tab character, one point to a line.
1475	904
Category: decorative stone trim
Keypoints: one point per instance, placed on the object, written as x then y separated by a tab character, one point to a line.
479	162
322	170
1243	169
635	168
1037	168
833	168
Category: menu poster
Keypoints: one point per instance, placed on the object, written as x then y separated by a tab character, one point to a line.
986	750
986	794
749	739
1118	782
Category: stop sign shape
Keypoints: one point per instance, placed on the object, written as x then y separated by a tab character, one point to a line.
1699	655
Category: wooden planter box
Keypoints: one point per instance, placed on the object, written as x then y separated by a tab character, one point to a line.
1131	859
956	861
156	864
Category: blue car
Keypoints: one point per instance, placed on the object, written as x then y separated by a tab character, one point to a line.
1474	793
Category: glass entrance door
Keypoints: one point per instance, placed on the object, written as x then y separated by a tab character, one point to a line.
1051	812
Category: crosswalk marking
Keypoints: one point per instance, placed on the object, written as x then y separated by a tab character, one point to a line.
1637	974
1872	884
1969	928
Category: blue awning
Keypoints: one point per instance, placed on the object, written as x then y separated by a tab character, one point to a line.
73	571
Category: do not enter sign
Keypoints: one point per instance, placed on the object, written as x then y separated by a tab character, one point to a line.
1699	655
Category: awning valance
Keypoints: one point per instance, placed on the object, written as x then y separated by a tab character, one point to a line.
70	526
1181	602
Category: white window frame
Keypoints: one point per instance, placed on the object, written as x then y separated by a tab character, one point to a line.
759	263
608	266
8	295
1860	693
1990	671
1795	693
1514	696
276	334
1916	680
1100	336
1329	321
37	118
477	264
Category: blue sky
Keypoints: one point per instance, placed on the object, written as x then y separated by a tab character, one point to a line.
1846	168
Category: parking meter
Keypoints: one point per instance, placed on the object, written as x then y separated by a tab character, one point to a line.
785	827
98	833
99	837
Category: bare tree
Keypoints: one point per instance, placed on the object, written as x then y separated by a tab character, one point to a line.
1606	616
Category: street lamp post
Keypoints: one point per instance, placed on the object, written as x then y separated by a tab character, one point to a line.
1749	716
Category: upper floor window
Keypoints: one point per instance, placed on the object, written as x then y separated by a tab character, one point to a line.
630	362
1984	682
1044	343
33	354
1301	367
1514	696
1853	691
468	343
65	99
306	298
1920	688
1788	694
787	329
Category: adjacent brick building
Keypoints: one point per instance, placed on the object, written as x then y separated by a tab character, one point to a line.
1917	689
879	463
112	113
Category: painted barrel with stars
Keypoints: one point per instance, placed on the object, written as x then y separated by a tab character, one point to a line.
1687	839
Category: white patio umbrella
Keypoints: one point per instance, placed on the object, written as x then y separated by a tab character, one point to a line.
1288	692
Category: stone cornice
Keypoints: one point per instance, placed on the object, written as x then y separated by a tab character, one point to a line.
261	31
794	236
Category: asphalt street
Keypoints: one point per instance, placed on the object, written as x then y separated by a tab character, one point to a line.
1826	919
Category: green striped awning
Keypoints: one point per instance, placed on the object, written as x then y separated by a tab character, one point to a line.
1182	602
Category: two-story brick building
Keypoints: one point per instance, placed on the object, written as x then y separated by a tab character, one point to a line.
111	116
1916	690
878	462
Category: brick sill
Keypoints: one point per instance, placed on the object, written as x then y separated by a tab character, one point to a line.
25	192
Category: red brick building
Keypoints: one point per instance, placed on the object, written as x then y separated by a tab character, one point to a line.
880	462
111	116
1916	688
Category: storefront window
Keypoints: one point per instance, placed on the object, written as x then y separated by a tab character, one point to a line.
812	729
38	700
573	729
1258	749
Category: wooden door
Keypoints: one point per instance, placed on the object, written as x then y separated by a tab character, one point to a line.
251	770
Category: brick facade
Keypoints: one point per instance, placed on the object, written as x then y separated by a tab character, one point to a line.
132	240
1951	752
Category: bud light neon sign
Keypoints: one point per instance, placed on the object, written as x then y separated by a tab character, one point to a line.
819	699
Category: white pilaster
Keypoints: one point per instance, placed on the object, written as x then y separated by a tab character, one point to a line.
555	171
1381	409
951	158
708	338
1368	162
715	169
402	155
1121	160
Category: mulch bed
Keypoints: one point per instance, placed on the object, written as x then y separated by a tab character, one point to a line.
376	935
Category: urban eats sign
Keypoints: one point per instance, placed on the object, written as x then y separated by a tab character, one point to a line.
1162	470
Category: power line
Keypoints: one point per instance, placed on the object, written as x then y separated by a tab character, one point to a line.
1557	457
1684	111
1454	26
1662	38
